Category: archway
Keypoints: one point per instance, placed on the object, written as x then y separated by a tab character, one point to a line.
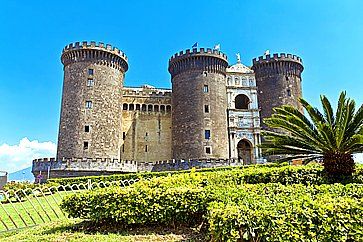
241	101
244	149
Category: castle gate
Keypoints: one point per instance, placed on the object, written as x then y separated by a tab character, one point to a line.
244	149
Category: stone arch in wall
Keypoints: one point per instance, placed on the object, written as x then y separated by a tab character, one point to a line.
245	151
241	101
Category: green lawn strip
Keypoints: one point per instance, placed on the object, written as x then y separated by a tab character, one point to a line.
32	211
65	231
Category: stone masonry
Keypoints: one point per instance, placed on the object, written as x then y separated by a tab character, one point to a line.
106	128
92	92
199	101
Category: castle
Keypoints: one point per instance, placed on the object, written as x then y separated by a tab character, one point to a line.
211	116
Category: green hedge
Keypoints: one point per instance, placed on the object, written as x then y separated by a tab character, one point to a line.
288	213
248	212
129	176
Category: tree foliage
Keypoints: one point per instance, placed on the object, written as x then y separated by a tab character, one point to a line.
327	136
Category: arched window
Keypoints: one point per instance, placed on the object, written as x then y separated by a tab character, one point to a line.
156	108
150	108
162	108
241	101
168	108
131	107
124	106
143	107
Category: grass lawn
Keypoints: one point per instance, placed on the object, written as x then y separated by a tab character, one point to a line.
35	211
72	230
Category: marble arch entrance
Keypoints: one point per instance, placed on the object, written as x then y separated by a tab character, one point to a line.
244	149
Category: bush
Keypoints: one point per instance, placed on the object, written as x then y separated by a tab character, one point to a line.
233	209
289	213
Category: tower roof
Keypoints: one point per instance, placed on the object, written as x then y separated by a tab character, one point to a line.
239	68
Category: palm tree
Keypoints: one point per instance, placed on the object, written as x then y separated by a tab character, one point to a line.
328	137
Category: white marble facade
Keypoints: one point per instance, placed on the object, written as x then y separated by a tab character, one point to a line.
243	114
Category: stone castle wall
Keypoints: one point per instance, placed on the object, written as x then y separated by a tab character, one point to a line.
146	124
90	167
198	83
100	89
278	80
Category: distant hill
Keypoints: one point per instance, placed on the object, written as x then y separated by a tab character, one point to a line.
22	175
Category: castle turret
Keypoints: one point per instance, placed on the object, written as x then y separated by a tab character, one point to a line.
278	80
199	102
90	122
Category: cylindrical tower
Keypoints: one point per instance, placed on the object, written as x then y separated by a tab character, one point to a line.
90	122
278	79
199	101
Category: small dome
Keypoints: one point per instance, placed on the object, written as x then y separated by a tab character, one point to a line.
239	68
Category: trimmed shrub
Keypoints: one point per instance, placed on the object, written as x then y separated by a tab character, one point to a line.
289	213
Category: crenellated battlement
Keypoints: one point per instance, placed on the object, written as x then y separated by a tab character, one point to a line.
277	57
143	92
202	59
284	64
198	52
94	45
91	51
85	166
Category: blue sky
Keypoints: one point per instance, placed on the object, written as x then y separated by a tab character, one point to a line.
328	35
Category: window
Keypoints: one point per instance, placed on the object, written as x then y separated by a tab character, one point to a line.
123	148
88	104
137	106
90	72
156	108
123	135
131	107
143	107
205	89
236	80
146	134
205	73
206	108
150	108
208	150
124	106
145	148
241	101
162	108
90	82
289	92
85	145
207	134
287	78
168	108
86	128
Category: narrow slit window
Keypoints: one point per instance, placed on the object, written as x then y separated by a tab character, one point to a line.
123	135
289	92
206	108
86	128
208	150
89	104
90	82
205	89
146	148
207	134
85	145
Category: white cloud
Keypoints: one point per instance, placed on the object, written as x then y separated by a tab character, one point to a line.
20	156
358	158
